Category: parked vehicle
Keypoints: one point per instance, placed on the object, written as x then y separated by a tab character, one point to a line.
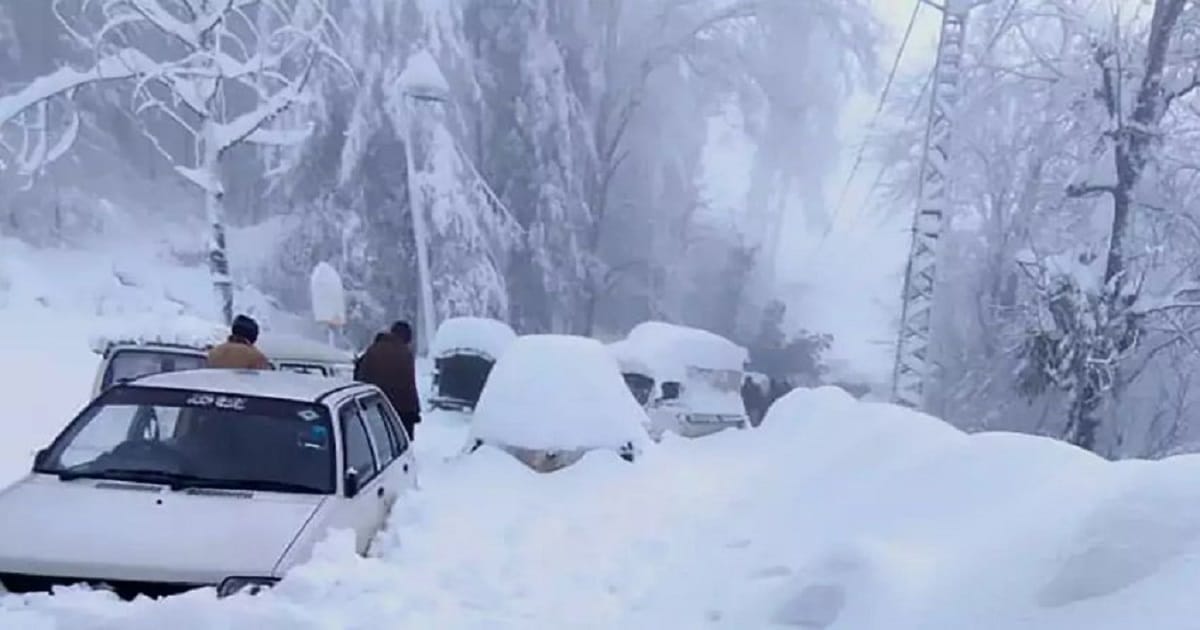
292	353
131	356
554	398
203	478
464	349
698	378
638	375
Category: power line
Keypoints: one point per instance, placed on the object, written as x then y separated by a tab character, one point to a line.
887	88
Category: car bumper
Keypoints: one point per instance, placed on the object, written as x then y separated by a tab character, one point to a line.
125	589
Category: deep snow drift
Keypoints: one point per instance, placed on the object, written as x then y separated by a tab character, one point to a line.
835	514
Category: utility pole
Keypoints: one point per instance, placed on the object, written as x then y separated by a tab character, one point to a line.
913	370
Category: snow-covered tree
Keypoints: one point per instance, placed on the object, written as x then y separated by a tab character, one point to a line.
205	76
1069	260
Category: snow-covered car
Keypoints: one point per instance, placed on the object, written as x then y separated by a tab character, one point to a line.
552	398
128	357
464	350
203	478
638	375
697	378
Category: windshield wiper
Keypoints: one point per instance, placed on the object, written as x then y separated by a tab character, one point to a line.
261	485
177	481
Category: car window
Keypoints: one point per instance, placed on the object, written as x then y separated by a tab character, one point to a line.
386	441
200	438
356	445
402	436
130	364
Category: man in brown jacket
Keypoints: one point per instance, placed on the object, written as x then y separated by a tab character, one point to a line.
238	352
389	365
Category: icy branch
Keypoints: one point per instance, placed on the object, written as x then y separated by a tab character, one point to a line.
123	64
161	18
242	127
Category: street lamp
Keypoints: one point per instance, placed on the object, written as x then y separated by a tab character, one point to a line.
424	89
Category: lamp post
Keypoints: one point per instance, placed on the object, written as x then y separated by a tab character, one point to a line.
423	90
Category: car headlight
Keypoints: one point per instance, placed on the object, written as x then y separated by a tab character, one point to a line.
248	585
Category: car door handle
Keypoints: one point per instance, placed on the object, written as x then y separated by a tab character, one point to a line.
379	492
406	467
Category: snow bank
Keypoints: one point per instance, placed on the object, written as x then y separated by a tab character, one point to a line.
557	392
669	349
477	334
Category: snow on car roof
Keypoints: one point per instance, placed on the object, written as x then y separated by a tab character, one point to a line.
489	336
629	358
283	347
557	392
670	348
183	330
264	383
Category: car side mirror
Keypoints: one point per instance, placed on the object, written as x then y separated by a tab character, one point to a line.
670	390
351	482
39	460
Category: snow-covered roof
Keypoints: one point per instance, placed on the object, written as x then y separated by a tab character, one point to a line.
669	349
557	392
285	347
183	330
476	334
262	383
629	359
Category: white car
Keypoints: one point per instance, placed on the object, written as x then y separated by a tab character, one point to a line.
203	478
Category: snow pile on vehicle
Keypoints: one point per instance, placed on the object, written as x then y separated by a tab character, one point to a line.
472	334
669	349
181	330
629	359
557	392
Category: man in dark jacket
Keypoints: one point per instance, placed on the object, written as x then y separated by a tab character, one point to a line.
389	365
238	352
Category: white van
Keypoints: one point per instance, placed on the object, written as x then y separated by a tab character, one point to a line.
127	358
697	378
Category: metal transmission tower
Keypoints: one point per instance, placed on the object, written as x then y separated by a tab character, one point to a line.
913	367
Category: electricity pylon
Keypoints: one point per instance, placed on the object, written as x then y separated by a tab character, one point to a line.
913	368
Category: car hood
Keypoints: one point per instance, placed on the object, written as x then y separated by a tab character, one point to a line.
122	531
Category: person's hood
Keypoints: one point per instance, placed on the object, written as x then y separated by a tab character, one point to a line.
122	531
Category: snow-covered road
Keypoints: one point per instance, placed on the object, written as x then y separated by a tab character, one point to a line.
835	514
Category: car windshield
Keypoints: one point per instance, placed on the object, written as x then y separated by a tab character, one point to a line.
198	439
726	381
127	365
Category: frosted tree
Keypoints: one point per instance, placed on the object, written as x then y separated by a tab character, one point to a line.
1072	241
204	76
